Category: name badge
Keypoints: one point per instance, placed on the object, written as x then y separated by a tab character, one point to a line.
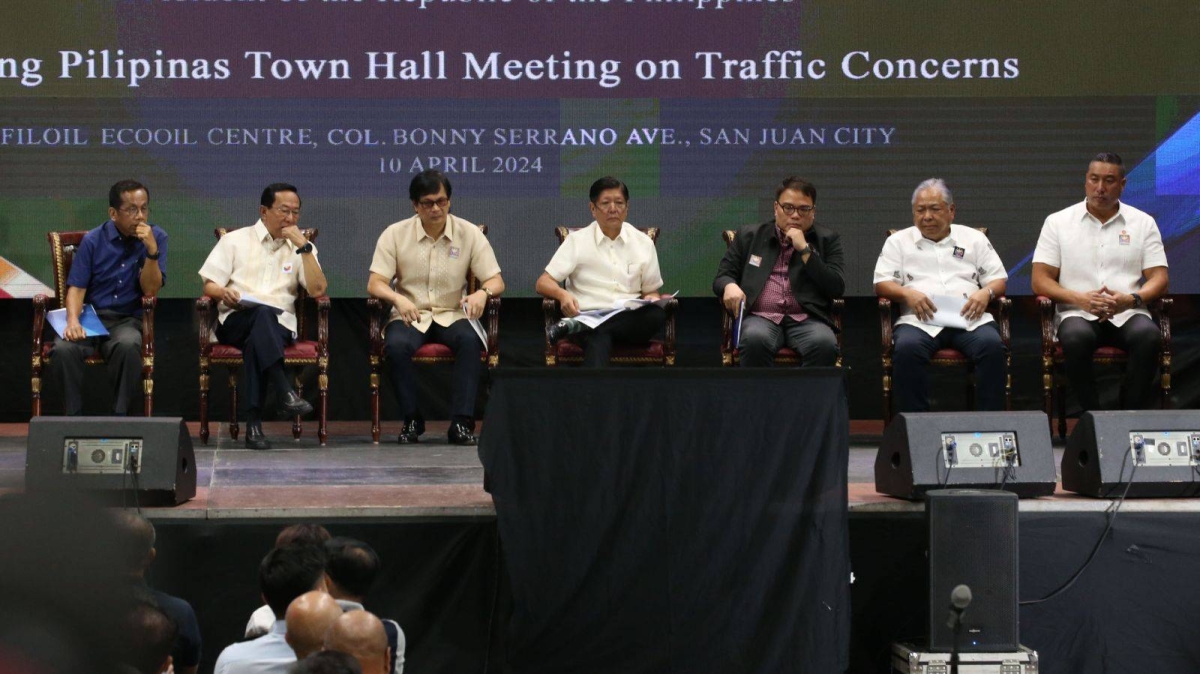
453	253
287	267
755	260
959	252
1123	238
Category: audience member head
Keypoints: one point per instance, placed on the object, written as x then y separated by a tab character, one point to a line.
137	539
350	568
302	534
361	634
287	573
327	662
428	183
308	619
150	635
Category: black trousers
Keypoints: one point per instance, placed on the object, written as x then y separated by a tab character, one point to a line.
1139	337
262	339
630	327
122	354
404	340
915	348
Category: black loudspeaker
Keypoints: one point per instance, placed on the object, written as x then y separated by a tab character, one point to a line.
111	455
1158	450
934	450
973	542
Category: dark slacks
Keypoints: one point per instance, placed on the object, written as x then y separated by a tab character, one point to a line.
1139	337
404	340
122	354
761	340
262	339
628	327
915	348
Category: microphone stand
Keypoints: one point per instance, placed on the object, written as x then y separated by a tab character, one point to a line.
956	622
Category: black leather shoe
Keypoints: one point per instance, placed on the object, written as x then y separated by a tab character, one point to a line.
255	439
293	405
460	434
557	331
411	433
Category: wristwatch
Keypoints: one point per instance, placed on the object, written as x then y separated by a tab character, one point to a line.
487	291
805	249
1137	300
152	257
307	248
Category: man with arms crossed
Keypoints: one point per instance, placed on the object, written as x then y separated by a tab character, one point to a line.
269	260
430	256
1102	262
936	257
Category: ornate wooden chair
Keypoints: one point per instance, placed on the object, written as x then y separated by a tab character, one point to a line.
1054	378
785	356
62	251
378	314
567	350
1001	310
302	351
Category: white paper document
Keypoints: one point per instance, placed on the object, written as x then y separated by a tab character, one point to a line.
948	314
595	317
252	301
476	325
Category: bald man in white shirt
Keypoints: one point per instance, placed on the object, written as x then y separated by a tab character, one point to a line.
1102	261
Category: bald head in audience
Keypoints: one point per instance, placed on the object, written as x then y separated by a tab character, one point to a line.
308	619
361	634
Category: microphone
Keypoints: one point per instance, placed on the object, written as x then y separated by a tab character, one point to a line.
960	599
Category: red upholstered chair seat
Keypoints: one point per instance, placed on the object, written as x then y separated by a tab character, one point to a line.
1104	353
303	349
568	350
440	353
950	356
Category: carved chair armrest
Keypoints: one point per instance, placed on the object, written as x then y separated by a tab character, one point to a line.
40	303
149	304
491	324
836	310
551	311
1001	308
322	326
727	345
669	342
206	315
1162	310
1046	311
376	320
885	326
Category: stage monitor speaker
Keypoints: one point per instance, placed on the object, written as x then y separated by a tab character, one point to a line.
111	455
936	450
973	542
1158	449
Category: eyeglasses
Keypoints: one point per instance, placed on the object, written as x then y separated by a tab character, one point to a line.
430	203
287	212
791	209
134	210
607	205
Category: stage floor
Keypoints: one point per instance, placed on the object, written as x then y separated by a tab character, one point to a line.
351	478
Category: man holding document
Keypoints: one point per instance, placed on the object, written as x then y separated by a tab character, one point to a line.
780	279
607	265
254	273
115	265
943	275
430	256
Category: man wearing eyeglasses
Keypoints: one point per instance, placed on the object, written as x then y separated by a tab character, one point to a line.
431	255
115	265
787	272
921	265
267	262
607	261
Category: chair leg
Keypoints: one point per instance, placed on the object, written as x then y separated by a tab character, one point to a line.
35	388
204	400
297	427
1165	381
887	391
1061	391
1048	392
233	403
322	400
376	431
148	385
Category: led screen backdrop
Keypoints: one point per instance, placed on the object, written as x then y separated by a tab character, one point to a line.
701	106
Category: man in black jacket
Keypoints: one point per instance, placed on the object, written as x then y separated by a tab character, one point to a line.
787	272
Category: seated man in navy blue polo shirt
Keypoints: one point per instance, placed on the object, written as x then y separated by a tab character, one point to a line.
116	264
